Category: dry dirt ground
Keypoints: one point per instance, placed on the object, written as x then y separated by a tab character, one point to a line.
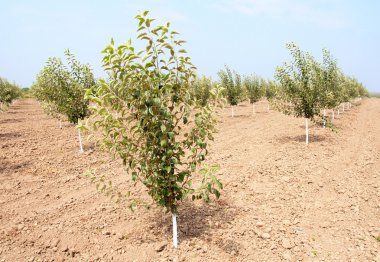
282	200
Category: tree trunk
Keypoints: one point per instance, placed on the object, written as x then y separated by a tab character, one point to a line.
253	108
175	235
333	116
60	124
80	142
324	118
307	131
232	111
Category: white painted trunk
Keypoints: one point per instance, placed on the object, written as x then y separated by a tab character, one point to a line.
324	118
80	142
232	111
307	131
175	235
60	124
338	112
268	107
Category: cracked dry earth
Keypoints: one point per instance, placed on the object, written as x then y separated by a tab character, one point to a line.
282	201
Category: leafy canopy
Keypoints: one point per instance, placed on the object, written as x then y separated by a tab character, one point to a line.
61	88
253	86
201	88
8	92
232	84
300	92
150	118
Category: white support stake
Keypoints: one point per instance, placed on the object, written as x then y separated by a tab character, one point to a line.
175	235
80	142
307	132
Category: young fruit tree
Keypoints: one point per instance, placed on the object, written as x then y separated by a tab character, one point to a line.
61	89
41	90
8	93
162	132
269	88
201	88
232	84
253	86
300	93
330	85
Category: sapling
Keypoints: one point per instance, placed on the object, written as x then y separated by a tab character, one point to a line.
270	88
253	88
61	89
8	93
162	132
331	88
299	93
201	89
231	82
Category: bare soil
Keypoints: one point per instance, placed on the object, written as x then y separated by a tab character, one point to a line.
282	200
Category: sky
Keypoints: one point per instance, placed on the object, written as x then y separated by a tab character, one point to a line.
247	35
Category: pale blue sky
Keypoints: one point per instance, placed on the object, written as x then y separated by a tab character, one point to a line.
248	35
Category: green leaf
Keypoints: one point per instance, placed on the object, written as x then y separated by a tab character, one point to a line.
216	182
163	143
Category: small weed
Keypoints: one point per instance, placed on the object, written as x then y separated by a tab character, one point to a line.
377	238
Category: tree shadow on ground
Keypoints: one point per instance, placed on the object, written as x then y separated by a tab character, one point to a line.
240	116
11	120
300	139
9	135
14	107
7	167
195	220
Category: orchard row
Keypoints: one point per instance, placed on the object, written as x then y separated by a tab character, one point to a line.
158	117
